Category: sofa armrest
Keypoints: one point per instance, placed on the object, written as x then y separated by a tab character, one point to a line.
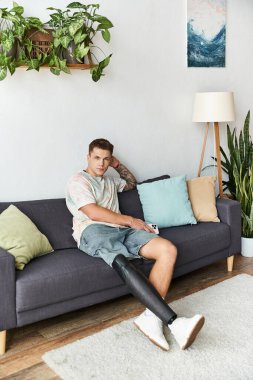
7	291
229	212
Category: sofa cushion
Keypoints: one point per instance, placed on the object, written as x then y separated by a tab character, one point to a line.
166	202
20	237
51	217
64	275
195	241
203	200
129	201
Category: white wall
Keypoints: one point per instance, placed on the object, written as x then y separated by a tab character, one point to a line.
143	104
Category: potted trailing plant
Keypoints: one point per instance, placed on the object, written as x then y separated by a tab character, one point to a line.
17	46
74	30
10	32
239	168
32	52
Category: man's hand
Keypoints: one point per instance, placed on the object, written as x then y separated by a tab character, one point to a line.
138	224
114	162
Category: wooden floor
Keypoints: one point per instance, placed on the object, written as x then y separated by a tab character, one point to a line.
26	345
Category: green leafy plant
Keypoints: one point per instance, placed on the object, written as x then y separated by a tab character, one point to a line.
239	168
244	194
240	155
27	46
74	30
15	43
11	28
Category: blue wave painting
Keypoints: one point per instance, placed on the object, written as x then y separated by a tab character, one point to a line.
205	53
206	33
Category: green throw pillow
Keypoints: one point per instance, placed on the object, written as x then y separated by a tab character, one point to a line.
166	203
20	237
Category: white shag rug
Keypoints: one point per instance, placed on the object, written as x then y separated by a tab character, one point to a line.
222	350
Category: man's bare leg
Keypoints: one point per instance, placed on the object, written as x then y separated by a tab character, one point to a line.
184	330
165	254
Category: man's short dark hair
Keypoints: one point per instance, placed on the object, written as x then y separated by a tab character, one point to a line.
101	144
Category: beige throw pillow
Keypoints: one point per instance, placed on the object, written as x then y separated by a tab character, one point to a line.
202	196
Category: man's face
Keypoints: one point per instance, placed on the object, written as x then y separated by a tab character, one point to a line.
98	161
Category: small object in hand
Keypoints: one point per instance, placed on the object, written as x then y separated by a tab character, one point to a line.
154	227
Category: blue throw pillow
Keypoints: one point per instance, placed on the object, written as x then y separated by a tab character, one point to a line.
166	203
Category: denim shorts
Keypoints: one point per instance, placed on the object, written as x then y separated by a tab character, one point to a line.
106	242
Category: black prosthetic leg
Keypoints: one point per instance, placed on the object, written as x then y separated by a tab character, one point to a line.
142	289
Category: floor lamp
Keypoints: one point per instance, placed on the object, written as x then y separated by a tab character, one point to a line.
213	107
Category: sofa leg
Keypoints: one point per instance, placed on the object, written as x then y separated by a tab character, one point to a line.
2	342
230	261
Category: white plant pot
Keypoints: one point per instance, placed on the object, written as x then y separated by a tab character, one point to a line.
247	247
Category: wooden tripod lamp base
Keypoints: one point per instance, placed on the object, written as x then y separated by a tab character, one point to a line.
203	149
217	144
213	107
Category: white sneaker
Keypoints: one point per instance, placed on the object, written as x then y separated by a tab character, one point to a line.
152	327
185	330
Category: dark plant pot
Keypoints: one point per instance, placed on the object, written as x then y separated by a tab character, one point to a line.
68	53
13	52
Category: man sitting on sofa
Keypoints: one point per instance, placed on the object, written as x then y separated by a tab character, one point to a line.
102	231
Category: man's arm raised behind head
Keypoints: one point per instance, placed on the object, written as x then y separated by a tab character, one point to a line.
127	176
124	173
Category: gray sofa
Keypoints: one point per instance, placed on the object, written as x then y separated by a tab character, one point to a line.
69	279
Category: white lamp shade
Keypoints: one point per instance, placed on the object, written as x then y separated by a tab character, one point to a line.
214	107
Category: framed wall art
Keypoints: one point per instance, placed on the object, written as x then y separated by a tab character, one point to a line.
206	33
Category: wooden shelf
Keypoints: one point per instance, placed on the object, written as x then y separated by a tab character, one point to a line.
78	66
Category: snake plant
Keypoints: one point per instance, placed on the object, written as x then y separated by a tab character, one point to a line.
239	168
244	194
240	156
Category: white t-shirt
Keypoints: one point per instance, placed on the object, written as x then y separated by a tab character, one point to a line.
83	189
